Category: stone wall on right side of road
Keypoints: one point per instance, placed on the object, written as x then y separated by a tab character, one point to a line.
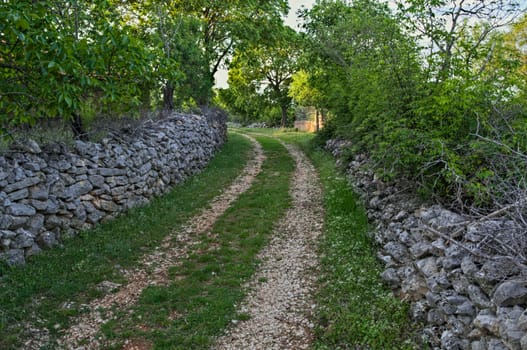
466	291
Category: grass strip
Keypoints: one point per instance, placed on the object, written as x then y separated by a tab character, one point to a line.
36	292
356	310
201	300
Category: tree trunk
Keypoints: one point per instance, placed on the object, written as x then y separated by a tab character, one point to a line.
283	122
77	127
145	100
322	117
168	97
317	125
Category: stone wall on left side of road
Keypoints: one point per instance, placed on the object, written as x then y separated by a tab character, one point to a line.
49	192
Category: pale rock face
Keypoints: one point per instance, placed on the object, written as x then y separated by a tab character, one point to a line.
510	293
52	190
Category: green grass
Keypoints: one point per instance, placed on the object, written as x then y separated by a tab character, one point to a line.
201	300
35	293
356	311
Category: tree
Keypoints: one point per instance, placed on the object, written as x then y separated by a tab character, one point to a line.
365	68
266	68
228	24
179	67
441	25
425	112
304	93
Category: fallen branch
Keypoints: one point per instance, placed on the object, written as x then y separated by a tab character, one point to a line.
488	216
451	240
471	251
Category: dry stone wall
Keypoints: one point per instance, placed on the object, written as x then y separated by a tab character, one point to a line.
47	193
463	288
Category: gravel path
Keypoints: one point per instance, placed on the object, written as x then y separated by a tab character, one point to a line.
154	267
280	301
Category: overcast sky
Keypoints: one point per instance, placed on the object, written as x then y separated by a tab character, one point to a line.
291	20
295	5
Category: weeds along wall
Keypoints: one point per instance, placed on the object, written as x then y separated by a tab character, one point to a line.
52	192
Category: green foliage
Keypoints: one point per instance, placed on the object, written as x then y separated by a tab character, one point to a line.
302	91
57	56
226	25
260	76
423	114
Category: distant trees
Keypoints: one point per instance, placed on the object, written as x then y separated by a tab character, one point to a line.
303	91
260	75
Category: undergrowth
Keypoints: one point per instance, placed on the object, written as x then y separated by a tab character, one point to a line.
35	294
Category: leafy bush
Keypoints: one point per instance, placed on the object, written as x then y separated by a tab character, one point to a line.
441	118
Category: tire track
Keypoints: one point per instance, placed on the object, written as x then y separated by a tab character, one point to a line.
280	298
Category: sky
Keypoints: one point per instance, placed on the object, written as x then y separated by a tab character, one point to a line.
291	20
295	5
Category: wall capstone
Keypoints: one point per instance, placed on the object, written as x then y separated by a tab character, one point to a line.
48	192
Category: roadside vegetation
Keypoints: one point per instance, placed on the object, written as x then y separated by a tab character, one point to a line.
430	91
35	294
355	309
81	61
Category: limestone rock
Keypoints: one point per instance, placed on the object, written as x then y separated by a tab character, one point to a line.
391	278
78	189
107	287
478	297
397	251
450	341
522	321
496	344
47	239
523	342
510	293
485	320
13	257
18	195
24	183
24	239
20	210
509	330
440	218
421	249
